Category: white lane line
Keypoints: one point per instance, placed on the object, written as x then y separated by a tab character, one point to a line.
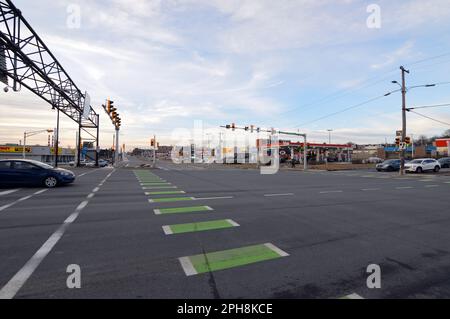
370	189
274	195
431	186
86	173
276	249
188	268
212	198
167	230
353	296
2	208
331	192
9	192
233	223
406	187
20	278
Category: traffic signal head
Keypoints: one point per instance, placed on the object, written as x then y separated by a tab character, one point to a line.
109	106
228	127
246	128
152	142
408	140
233	127
397	141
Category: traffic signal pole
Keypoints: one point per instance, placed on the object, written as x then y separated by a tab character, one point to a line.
403	151
116	153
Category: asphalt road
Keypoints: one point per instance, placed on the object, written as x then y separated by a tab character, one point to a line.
331	224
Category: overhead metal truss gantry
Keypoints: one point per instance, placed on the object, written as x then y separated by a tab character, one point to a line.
29	63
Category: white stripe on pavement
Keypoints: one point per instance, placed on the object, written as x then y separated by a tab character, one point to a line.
212	198
13	286
353	296
274	195
188	268
9	192
2	208
331	192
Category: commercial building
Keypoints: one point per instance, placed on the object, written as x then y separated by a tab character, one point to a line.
442	146
43	154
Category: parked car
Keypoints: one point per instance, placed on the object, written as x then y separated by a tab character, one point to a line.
374	160
445	162
102	163
389	166
423	165
28	172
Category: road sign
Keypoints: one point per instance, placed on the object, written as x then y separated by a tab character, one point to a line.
399	133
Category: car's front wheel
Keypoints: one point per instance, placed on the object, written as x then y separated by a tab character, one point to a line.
50	182
419	170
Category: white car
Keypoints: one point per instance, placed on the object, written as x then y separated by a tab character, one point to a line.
422	165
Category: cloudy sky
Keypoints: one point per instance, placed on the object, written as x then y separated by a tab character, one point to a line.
286	64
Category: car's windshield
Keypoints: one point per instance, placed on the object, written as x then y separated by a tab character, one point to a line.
416	162
41	165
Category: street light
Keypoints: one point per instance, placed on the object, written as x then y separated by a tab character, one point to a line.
28	134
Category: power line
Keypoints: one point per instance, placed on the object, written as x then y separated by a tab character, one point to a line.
430	118
428	59
343	110
428	106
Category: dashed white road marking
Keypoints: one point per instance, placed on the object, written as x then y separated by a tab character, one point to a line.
431	186
370	189
274	195
9	192
2	208
167	230
276	249
405	187
188	268
20	278
353	296
331	192
212	198
86	173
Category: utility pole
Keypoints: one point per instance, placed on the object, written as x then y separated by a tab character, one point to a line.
116	154
404	90
56	145
154	151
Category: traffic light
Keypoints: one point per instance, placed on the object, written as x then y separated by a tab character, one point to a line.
233	127
246	128
252	128
109	106
398	140
228	127
258	130
152	142
408	140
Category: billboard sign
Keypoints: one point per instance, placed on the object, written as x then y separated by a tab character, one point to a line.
87	106
14	149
